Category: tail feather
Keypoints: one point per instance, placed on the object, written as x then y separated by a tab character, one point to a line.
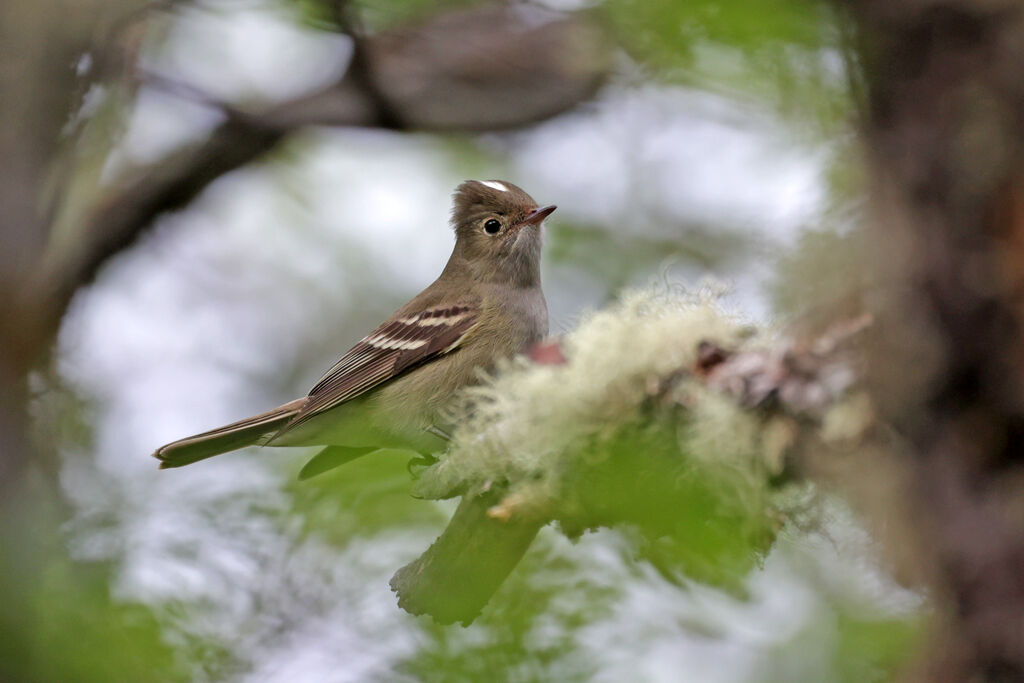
245	432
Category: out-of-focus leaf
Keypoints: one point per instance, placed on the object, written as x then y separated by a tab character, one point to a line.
376	15
330	458
694	518
872	651
365	496
785	53
617	259
529	626
59	621
669	32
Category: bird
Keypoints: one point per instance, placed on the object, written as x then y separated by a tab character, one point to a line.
393	388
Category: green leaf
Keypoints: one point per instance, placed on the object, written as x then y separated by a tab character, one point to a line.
331	457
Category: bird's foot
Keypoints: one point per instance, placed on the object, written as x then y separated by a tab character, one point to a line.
421	462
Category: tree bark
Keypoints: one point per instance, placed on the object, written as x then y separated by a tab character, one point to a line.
944	132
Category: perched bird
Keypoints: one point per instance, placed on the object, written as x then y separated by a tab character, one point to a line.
392	388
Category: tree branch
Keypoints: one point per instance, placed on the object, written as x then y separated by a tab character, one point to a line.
634	456
414	78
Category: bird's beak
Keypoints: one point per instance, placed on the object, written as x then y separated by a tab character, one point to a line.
537	215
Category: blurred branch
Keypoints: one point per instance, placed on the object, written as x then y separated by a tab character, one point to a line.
40	86
361	68
480	69
43	41
116	222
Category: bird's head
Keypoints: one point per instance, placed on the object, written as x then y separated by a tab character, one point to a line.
498	230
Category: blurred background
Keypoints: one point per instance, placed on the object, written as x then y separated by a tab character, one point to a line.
292	163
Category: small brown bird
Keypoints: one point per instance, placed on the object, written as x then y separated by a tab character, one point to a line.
391	389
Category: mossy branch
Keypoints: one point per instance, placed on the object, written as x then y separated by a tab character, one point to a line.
637	419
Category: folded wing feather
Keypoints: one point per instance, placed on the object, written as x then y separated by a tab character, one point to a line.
396	346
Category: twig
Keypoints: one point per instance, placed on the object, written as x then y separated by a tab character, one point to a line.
360	69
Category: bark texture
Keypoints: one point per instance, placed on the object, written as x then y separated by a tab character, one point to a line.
944	132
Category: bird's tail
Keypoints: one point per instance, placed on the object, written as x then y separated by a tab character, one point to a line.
245	432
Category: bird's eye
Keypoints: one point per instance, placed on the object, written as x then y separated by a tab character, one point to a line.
492	226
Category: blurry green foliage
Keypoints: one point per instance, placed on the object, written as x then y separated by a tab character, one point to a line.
841	644
787	54
362	498
695	519
617	259
874	650
374	14
83	634
316	13
59	621
527	630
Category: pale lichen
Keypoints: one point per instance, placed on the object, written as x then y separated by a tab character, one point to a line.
529	424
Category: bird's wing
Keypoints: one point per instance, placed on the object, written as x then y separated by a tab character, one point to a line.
399	344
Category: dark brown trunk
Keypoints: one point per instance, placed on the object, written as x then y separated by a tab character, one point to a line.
944	129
